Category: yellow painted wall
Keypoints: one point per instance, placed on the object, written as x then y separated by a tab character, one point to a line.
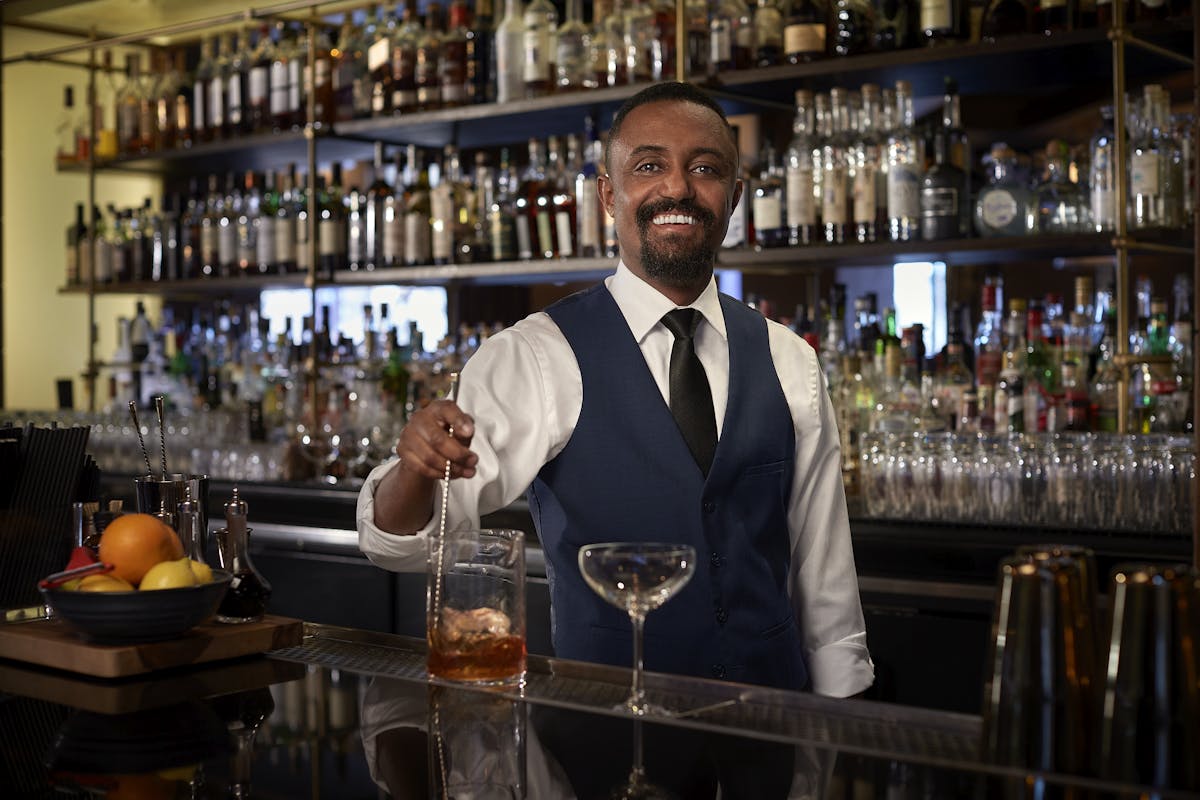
45	333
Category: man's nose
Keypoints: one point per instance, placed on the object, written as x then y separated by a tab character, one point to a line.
677	183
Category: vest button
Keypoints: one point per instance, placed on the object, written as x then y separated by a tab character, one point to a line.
718	670
716	560
709	506
722	616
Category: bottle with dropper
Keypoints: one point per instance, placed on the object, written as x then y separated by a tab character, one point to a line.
248	593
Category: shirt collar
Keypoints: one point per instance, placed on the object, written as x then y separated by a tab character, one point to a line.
644	306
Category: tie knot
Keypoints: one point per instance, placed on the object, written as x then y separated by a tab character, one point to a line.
682	322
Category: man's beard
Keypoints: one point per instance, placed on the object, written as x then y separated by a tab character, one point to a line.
677	265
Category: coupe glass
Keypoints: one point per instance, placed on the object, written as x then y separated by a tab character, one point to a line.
638	577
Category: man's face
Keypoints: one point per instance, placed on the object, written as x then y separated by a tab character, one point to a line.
671	188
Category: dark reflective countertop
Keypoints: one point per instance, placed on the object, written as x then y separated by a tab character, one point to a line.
352	714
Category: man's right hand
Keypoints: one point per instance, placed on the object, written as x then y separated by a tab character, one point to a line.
425	444
404	498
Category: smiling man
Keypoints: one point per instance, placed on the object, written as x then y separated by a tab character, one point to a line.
652	408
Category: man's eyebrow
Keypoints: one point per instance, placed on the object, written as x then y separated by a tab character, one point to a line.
658	149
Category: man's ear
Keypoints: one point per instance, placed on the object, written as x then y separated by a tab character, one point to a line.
738	186
604	189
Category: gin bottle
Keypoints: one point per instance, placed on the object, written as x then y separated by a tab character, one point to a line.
1004	207
904	171
865	155
801	208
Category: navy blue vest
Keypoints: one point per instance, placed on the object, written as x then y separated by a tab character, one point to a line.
627	475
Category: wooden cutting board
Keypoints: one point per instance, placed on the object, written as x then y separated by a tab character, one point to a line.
52	643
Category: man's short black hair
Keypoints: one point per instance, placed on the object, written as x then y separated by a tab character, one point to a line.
663	92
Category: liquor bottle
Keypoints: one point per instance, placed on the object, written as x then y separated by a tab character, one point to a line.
865	154
375	213
258	82
481	55
318	79
1106	383
393	217
528	224
638	36
128	107
1042	372
453	66
943	21
147	96
661	50
175	100
417	245
1062	206
503	216
307	218
331	224
356	229
945	198
236	80
286	215
770	229
1009	411
798	172
428	64
231	206
1004	206
443	211
76	239
1153	384
247	229
202	111
854	27
951	382
279	79
189	232
895	24
696	33
560	178
218	89
403	61
904	171
540	30
65	130
1053	16
770	35
836	186
731	36
477	245
510	53
265	238
379	63
1153	188
588	211
346	67
164	240
573	44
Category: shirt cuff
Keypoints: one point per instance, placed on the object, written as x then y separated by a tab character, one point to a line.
842	669
399	553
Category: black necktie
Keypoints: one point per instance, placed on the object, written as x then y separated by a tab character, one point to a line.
691	397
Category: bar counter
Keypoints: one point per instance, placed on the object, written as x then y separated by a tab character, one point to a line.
352	714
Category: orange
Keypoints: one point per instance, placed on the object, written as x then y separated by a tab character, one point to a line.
133	543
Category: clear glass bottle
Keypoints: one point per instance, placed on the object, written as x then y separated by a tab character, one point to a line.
769	228
375	212
1154	193
1062	205
836	184
1106	383
541	29
588	214
418	245
904	171
798	172
1101	180
866	153
1005	206
638	37
573	44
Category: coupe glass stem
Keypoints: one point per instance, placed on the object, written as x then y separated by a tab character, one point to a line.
637	693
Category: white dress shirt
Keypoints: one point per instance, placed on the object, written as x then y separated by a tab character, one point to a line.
524	390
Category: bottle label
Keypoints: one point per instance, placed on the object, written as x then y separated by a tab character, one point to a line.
1044	4
562	225
939	203
998	208
285	240
768	213
903	192
294	84
208	244
258	84
356	238
379	54
417	245
104	261
864	193
1103	207
226	242
303	256
441	204
279	87
199	100
216	103
720	42
329	238
801	204
524	241
936	15
768	27
1143	173
503	235
265	244
537	54
545	234
393	235
833	196
805	38
234	94
588	213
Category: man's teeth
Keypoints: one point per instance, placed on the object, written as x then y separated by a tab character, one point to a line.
674	219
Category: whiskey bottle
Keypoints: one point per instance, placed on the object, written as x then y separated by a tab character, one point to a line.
731	36
454	64
770	35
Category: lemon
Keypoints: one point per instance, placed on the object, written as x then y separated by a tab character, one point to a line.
202	571
104	583
169	575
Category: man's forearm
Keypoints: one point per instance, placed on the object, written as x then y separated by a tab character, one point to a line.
403	501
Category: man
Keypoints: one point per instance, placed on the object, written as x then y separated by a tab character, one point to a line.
585	405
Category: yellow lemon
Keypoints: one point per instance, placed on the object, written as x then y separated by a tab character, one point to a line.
104	583
202	571
168	575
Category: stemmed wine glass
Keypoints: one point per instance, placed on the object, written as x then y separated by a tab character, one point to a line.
638	577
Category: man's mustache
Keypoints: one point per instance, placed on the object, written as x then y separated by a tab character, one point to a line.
649	211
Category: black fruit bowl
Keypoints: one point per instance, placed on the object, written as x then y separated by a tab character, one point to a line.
138	617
